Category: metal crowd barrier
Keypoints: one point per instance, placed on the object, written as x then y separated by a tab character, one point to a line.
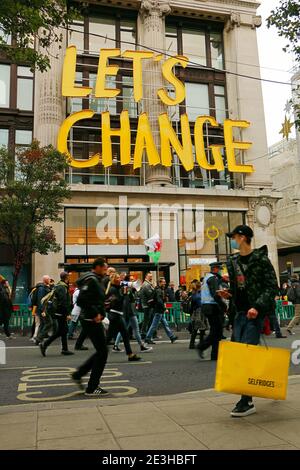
284	310
21	317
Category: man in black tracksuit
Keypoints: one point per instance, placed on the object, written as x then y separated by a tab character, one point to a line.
61	316
91	301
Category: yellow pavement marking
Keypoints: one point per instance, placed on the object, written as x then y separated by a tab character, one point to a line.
36	378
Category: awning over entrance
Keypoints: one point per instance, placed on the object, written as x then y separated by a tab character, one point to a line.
126	266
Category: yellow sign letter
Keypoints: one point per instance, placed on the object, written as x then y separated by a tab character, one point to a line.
168	136
144	141
68	76
62	145
200	148
137	57
123	133
167	71
103	70
230	146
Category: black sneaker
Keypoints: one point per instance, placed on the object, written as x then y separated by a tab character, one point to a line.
117	349
81	348
67	353
43	349
134	358
77	380
149	341
99	392
243	409
145	349
173	339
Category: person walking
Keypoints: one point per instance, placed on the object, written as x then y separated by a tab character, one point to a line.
171	292
198	320
130	318
6	306
62	308
75	315
39	292
114	304
91	301
213	307
146	294
293	295
160	298
253	288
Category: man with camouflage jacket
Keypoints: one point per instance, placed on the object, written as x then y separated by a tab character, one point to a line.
253	287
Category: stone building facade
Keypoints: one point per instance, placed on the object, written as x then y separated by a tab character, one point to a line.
219	37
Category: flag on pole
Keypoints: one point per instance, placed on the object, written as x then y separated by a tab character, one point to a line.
153	244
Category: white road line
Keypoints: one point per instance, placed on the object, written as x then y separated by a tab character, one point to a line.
17	368
130	363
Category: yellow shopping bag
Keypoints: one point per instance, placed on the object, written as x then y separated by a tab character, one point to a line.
256	371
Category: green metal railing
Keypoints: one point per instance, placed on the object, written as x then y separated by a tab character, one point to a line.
284	311
21	317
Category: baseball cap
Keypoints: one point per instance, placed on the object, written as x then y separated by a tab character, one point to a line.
241	230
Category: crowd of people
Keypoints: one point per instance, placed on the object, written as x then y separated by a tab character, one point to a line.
106	304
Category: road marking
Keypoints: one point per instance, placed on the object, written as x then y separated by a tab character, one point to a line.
22	347
39	378
130	363
16	368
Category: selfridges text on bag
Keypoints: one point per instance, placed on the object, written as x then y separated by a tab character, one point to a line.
257	371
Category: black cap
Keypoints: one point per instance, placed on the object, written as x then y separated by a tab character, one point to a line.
241	230
216	264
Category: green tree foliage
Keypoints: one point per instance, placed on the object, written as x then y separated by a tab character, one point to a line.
32	190
286	18
33	23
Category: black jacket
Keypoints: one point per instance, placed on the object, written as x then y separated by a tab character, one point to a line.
115	297
160	299
5	302
95	295
293	292
64	303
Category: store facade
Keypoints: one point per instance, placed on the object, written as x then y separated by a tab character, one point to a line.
115	207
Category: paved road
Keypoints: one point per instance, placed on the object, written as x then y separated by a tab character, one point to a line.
27	377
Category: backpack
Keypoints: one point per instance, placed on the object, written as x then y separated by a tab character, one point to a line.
32	297
85	297
49	303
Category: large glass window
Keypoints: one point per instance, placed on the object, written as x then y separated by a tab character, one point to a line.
128	34
76	36
3	138
194	45
216	50
23	138
4	85
75	232
25	89
102	34
171	40
196	100
220	103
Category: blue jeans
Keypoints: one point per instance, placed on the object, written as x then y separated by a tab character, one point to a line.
159	317
248	332
72	327
133	322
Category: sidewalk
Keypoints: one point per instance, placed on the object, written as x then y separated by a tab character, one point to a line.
190	421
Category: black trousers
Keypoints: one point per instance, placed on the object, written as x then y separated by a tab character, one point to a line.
81	338
215	319
117	325
60	331
194	336
96	363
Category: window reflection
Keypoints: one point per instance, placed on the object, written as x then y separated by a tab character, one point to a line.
194	46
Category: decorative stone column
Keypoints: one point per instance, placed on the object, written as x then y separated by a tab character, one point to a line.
152	14
245	100
261	218
49	109
49	113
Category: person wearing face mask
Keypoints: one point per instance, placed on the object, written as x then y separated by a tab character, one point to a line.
253	288
213	307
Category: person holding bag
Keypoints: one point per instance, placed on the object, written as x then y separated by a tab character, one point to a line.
253	288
